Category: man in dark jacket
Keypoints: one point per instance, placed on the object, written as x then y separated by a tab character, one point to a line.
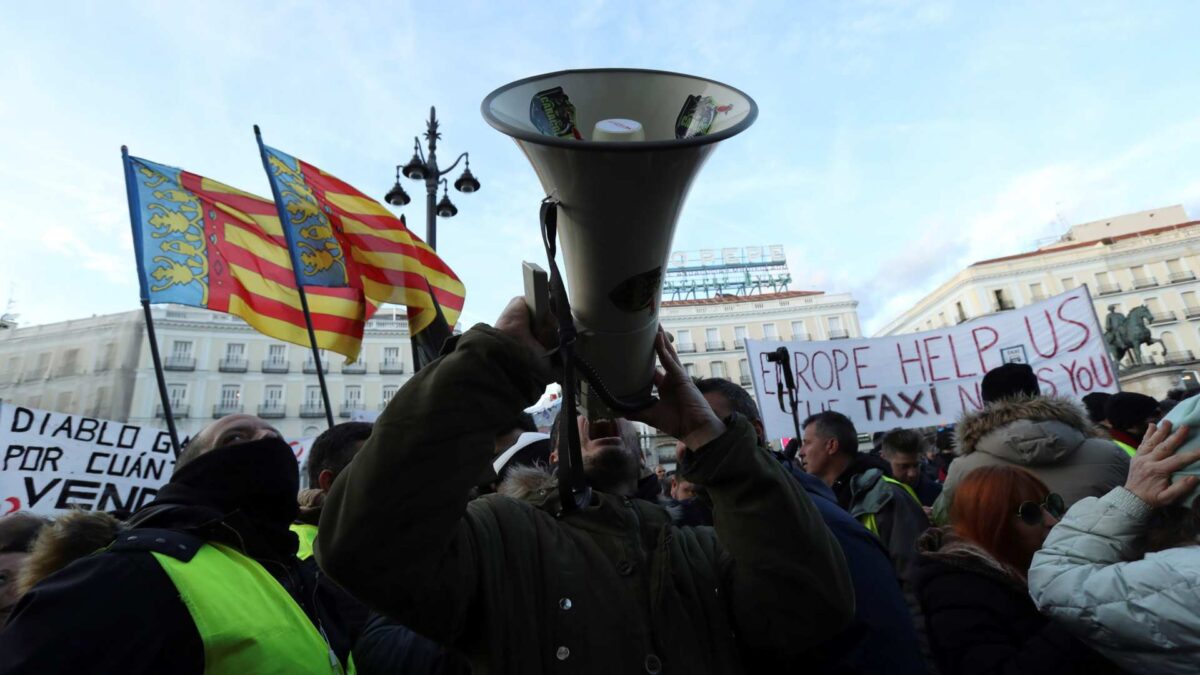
904	449
170	595
612	587
882	637
1129	414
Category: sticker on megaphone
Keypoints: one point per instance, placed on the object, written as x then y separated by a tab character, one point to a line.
697	116
553	114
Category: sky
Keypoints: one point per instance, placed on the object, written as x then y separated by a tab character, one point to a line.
897	141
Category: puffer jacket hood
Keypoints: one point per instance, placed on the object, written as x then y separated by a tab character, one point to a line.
1029	431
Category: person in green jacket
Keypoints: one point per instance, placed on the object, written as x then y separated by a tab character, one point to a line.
613	587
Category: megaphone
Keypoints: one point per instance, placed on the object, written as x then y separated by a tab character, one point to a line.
618	150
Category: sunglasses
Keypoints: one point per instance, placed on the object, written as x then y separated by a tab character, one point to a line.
1031	512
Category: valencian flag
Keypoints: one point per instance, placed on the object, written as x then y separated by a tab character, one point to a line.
345	239
205	244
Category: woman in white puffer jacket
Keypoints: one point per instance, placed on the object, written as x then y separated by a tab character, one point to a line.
1122	572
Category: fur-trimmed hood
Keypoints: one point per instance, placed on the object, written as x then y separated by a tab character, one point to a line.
1025	430
70	537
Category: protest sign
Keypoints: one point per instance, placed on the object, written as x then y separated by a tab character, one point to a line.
931	377
52	462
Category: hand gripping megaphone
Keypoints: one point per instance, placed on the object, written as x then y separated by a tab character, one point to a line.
617	150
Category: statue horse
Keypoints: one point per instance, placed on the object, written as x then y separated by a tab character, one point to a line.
1133	334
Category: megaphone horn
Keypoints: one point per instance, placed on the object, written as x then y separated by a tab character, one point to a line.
618	150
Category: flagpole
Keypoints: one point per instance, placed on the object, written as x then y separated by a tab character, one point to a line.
134	211
287	233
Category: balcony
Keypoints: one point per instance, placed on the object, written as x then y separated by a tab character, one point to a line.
839	334
272	410
179	363
391	367
1191	312
739	343
1144	282
222	409
688	348
714	346
177	410
745	381
356	368
1004	306
1107	289
312	410
233	365
1180	277
310	366
348	409
1162	317
1174	358
275	366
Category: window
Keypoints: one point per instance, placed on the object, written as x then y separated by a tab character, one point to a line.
231	395
235	350
277	353
690	369
1153	305
717	368
181	349
353	396
104	359
64	402
1068	283
835	323
177	394
941	318
389	390
312	396
739	336
273	395
14	367
685	338
744	368
1191	306
1036	292
713	335
799	330
391	354
962	314
1174	265
770	332
43	364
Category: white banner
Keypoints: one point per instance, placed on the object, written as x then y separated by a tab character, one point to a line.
930	378
57	461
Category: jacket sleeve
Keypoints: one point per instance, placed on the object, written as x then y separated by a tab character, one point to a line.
394	530
900	524
788	580
1083	577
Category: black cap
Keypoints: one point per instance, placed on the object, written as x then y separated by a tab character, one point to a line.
1009	380
1126	410
1096	404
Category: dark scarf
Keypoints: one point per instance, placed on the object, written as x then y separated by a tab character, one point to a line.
242	495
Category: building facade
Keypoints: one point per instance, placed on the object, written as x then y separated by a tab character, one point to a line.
82	367
1148	258
216	365
711	333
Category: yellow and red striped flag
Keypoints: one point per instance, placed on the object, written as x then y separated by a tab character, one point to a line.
205	244
343	238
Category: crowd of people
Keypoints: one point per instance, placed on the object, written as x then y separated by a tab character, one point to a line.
1034	536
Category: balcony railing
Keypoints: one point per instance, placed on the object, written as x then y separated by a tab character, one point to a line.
744	380
688	348
222	409
839	334
715	346
1144	282
739	343
275	365
392	367
349	408
1107	289
1191	312
177	410
272	410
312	410
179	363
234	365
1180	277
1004	305
356	368
1163	317
310	366
1180	357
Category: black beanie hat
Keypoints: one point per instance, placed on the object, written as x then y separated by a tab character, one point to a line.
1126	409
1097	406
1009	380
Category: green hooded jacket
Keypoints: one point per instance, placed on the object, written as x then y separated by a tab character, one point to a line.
612	588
